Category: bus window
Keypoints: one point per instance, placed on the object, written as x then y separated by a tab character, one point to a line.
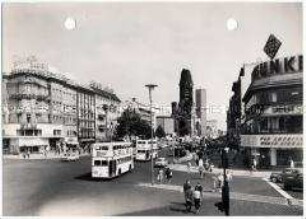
141	151
104	148
97	162
104	163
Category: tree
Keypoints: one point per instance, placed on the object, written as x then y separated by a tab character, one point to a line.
130	124
160	132
185	104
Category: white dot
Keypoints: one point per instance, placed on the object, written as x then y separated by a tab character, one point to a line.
70	23
232	24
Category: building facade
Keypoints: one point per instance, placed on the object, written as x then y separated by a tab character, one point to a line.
167	123
212	129
200	104
45	111
272	130
107	111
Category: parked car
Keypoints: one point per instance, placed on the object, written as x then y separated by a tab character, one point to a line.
279	176
71	157
294	180
161	162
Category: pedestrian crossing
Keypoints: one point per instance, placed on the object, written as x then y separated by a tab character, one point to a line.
240	173
233	195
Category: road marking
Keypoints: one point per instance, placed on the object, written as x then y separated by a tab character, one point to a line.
233	195
278	189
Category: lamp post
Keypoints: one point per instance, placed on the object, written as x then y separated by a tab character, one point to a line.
151	87
225	188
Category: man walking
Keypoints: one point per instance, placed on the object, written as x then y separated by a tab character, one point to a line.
168	175
197	196
188	195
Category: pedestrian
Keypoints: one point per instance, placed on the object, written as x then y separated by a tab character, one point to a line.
229	175
28	153
220	181
168	175
255	163
160	175
188	194
291	163
189	167
201	171
199	187
187	185
188	198
197	195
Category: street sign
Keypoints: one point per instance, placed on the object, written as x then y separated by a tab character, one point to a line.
272	46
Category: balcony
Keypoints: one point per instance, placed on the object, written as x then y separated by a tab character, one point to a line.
20	96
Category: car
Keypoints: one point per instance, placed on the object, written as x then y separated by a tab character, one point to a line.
294	180
161	162
71	157
279	176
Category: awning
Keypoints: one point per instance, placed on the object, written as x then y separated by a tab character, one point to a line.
87	140
32	142
71	141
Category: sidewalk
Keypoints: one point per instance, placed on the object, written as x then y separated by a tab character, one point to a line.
235	172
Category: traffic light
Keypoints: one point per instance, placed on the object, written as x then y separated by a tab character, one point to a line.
220	206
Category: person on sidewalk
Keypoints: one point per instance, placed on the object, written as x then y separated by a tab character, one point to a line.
160	175
168	175
291	162
201	168
220	181
189	167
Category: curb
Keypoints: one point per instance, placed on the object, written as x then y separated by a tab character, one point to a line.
295	202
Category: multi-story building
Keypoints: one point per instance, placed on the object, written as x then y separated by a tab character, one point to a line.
43	110
212	129
143	110
107	111
200	104
37	117
234	115
167	123
86	115
273	125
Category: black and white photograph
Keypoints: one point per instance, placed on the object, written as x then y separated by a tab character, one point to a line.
152	108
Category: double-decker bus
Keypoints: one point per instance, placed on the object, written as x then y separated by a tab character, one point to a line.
111	159
143	150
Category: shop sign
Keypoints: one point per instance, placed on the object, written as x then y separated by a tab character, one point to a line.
272	46
289	109
292	64
272	141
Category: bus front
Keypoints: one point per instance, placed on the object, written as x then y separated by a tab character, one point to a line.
100	161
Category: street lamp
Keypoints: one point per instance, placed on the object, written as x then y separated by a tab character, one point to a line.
151	87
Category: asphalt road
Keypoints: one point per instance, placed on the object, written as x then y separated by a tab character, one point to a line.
55	188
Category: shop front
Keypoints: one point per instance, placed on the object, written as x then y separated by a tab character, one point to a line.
273	150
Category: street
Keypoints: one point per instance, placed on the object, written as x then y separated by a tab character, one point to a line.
56	188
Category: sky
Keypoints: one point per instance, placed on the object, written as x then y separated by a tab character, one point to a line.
127	45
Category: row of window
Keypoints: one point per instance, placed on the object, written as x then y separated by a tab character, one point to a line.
288	95
86	134
274	125
26	89
119	161
33	132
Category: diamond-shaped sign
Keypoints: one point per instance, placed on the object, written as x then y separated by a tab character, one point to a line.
272	46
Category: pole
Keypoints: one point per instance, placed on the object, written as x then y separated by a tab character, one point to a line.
225	189
151	121
151	87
